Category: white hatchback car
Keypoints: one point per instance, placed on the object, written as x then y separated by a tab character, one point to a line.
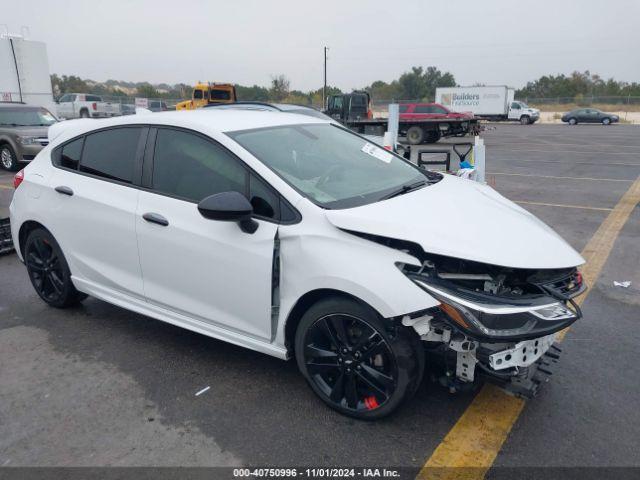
292	236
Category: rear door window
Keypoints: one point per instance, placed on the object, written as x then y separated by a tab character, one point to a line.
111	154
423	109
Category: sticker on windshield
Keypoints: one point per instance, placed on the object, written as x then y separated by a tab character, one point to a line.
377	152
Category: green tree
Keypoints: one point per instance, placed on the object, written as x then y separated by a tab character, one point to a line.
146	90
280	86
254	93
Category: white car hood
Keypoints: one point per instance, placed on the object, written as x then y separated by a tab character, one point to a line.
463	219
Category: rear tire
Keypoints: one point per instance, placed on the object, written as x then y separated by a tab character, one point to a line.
84	114
356	362
48	270
415	135
573	121
8	158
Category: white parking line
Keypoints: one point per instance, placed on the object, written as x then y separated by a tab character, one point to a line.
560	178
592	152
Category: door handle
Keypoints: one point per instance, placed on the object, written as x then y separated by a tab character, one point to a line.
64	190
155	218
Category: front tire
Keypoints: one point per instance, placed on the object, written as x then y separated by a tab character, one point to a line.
48	270
524	120
356	362
8	158
573	121
606	121
432	136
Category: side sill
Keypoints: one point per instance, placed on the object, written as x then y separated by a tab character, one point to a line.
189	323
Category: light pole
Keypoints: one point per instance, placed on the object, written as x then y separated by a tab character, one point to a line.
324	88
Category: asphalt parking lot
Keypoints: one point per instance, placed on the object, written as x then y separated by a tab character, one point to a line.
98	385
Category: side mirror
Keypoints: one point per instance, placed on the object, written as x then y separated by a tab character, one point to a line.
229	207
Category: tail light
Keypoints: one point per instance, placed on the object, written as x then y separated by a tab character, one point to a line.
18	178
369	114
94	106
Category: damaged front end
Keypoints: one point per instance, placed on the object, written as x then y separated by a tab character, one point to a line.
495	322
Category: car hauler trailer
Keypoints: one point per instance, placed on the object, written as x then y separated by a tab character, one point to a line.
490	103
24	72
354	111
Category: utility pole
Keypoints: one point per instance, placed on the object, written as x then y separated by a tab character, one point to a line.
324	88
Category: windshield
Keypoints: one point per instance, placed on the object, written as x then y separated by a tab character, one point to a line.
26	117
331	166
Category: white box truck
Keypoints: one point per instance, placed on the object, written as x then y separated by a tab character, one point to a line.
24	72
491	103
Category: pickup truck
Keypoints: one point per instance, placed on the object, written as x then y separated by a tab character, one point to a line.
84	105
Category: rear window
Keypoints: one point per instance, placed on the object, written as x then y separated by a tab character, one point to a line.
111	153
69	155
220	95
359	101
93	98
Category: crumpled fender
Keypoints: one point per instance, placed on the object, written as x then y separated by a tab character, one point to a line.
330	258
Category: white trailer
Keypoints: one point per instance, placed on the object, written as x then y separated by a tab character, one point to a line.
491	103
24	72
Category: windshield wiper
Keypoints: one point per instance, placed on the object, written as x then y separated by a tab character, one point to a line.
405	189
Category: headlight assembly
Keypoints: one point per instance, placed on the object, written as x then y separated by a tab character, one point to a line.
501	319
27	140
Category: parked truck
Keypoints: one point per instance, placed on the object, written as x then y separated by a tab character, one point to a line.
85	105
491	103
209	93
354	111
24	72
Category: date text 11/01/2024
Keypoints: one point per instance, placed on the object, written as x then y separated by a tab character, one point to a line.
316	472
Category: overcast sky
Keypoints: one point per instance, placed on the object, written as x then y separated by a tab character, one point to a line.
246	42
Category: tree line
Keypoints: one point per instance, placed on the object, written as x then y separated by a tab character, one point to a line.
577	85
418	84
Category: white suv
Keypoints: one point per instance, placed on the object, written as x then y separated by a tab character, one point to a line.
292	236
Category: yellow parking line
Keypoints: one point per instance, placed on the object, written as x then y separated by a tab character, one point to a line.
478	435
584	207
8	187
560	178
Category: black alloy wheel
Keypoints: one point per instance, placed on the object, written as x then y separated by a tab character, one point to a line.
48	270
352	363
